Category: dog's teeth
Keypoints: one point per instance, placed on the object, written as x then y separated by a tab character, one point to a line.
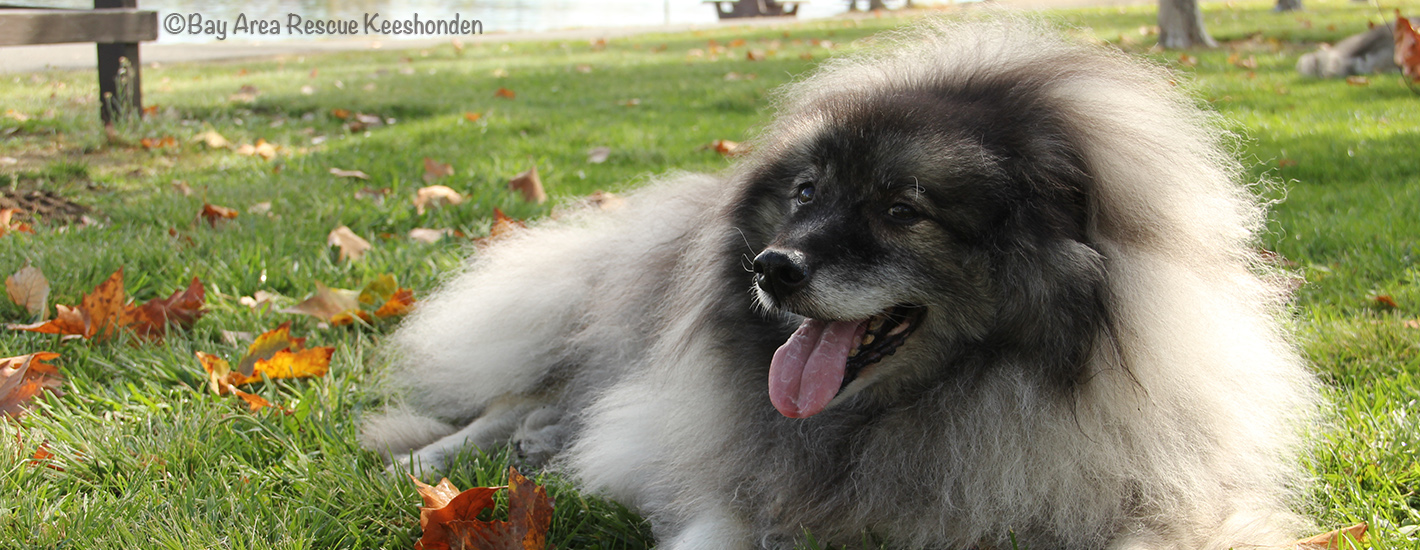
867	339
898	329
853	353
875	324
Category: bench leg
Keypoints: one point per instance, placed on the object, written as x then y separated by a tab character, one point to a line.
111	101
110	62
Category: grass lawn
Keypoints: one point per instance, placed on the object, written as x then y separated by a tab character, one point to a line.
146	457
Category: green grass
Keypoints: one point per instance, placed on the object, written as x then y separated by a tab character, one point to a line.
151	460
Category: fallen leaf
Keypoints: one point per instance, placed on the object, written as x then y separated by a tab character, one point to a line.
503	225
505	93
246	94
755	55
341	114
257	299
182	188
29	289
7	224
631	102
435	196
434	170
212	139
598	155
182	309
399	303
349	173
452	522
1286	163
255	402
1335	540
1407	47
25	376
1358	80
327	303
274	354
724	147
351	246
529	185
1385	301
425	235
213	213
158	143
1187	60
472	116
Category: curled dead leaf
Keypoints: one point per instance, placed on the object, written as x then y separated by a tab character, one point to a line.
213	213
435	170
349	173
435	196
352	247
529	186
25	376
29	289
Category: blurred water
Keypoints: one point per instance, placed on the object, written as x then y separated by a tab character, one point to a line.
496	15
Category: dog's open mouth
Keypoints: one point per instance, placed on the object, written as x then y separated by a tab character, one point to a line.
823	357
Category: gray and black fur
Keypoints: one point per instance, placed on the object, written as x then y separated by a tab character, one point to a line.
1097	362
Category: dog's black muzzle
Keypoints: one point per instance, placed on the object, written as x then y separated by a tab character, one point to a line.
781	272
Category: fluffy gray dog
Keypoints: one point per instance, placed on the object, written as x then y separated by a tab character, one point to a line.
982	285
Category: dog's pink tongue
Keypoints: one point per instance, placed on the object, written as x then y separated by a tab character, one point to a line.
808	369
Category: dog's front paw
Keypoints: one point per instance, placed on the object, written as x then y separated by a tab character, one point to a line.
421	464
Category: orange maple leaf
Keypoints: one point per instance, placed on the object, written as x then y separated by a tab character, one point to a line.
275	354
1407	47
213	213
452	521
25	376
105	310
7	225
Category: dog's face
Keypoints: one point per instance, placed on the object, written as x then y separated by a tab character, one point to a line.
910	227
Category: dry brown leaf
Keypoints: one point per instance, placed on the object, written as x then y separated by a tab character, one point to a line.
1385	301
605	200
529	186
214	214
6	225
25	376
434	170
352	247
755	55
327	303
435	196
1407	47
452	522
158	143
505	93
724	147
1358	80
1334	540
212	139
182	188
472	116
182	309
349	173
1187	60
29	289
426	235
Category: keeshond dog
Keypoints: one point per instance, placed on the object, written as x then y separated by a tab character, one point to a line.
984	287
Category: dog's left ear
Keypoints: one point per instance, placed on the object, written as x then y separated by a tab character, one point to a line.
1052	306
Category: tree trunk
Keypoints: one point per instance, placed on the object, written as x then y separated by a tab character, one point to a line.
1181	25
1287	5
852	5
875	5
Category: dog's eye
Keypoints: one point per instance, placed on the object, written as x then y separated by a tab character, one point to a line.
902	213
806	194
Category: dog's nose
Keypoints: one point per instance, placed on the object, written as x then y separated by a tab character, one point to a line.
780	273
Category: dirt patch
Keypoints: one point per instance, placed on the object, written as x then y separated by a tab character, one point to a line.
42	205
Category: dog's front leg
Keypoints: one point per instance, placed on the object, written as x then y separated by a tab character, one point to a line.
716	529
493	429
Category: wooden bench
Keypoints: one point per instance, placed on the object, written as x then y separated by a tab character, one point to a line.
734	9
117	26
